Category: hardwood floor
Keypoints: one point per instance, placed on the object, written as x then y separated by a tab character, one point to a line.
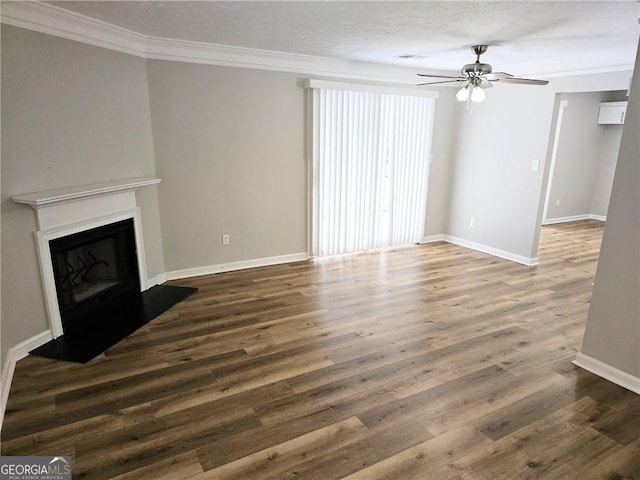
424	362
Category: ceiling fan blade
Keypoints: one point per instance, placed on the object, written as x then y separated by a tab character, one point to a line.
443	81
492	77
523	81
479	74
436	76
484	83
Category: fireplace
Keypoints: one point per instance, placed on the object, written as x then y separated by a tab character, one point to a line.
92	262
93	269
90	247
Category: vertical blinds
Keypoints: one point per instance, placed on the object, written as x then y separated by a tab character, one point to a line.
371	155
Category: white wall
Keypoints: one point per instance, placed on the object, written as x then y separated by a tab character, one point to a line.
72	114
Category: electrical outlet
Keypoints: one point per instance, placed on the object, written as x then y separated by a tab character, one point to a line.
535	165
225	239
472	223
557	203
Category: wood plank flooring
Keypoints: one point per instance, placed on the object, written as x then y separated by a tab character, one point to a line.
423	362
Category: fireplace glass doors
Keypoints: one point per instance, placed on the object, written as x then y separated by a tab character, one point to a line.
92	269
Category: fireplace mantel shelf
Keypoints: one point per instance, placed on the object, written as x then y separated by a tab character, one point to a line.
64	195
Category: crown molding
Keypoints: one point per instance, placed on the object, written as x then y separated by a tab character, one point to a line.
56	21
230	56
590	71
52	20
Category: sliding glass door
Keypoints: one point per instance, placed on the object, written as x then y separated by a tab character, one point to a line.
371	156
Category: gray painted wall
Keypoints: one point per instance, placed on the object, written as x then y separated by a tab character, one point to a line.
586	159
612	335
72	114
445	135
609	150
492	179
229	148
578	156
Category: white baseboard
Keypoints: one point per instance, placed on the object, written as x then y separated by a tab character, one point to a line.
608	372
461	242
241	265
433	238
574	218
491	251
13	355
157	280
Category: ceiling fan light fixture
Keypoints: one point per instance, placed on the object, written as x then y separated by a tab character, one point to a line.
463	94
478	95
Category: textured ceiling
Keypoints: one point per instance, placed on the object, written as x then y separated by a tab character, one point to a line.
530	37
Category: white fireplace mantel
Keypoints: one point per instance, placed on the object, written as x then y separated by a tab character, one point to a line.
62	195
71	210
45	203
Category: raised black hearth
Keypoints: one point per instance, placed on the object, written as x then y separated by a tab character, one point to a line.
98	291
108	326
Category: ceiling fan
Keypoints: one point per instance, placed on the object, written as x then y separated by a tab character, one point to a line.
478	76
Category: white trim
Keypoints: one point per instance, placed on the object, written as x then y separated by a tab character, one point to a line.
57	21
13	355
586	71
157	280
414	92
53	20
240	57
554	155
239	265
461	242
608	372
65	195
433	238
574	218
491	251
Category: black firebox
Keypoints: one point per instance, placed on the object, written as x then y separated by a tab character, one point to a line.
94	270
